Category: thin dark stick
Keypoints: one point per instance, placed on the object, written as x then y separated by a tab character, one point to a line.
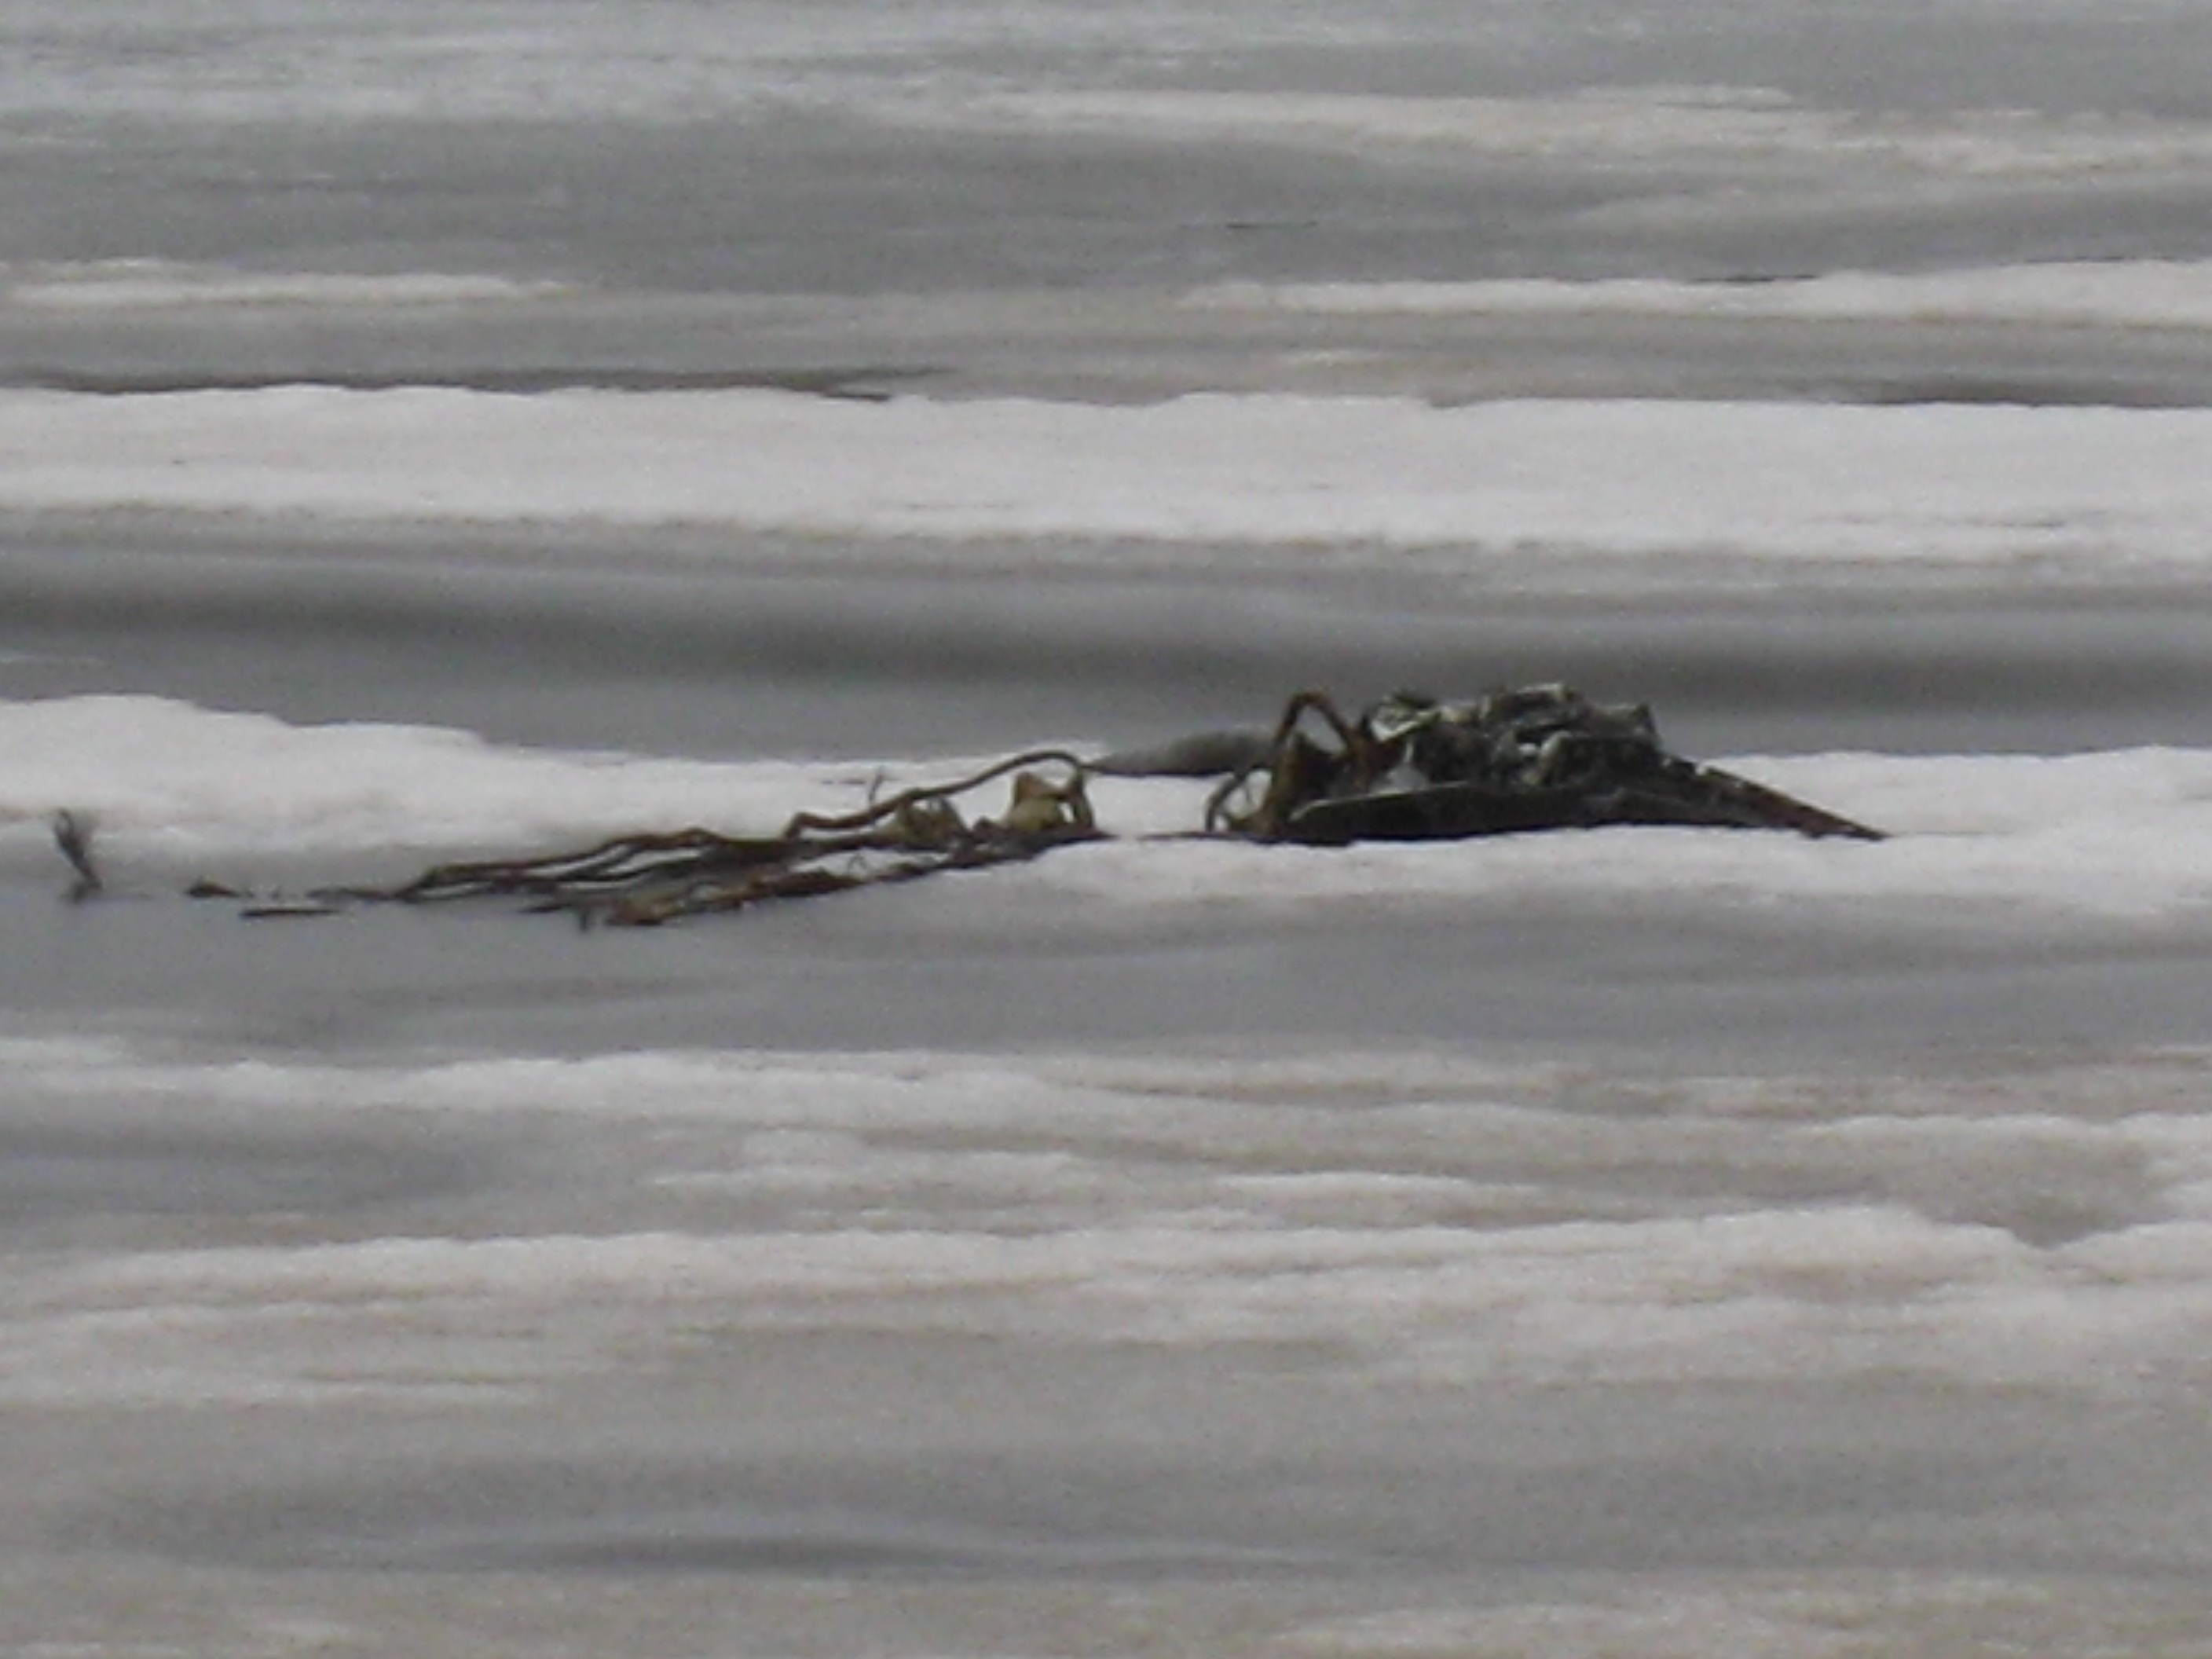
73	833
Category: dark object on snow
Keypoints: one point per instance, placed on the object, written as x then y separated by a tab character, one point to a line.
644	880
1541	758
73	835
1535	757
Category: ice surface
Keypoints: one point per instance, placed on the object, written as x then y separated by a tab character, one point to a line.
130	285
2136	293
1173	1204
1639	127
1323	483
1637	1241
201	780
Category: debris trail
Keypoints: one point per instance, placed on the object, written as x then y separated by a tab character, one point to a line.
644	880
1408	768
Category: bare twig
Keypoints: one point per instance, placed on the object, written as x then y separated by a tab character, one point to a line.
73	833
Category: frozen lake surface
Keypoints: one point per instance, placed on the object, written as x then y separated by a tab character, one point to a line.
423	436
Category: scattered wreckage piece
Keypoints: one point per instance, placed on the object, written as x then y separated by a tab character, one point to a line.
1410	768
645	880
1532	758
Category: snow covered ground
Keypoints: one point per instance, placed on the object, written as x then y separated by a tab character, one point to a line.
2093	495
2124	835
425	436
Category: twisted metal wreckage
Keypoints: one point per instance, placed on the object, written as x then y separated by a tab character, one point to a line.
1408	768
